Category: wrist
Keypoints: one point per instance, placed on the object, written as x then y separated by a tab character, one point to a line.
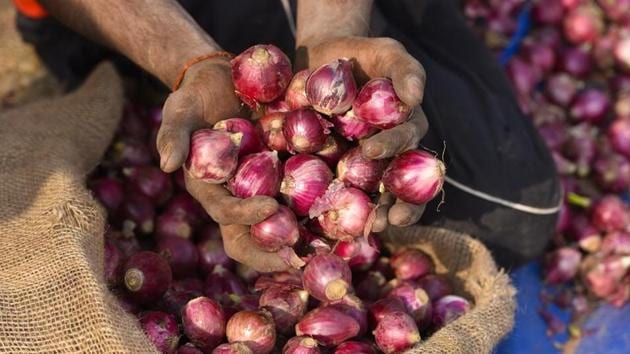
183	60
218	58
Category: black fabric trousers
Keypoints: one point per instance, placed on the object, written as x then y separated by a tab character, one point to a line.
494	157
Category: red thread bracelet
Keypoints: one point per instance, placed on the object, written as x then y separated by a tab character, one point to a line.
196	60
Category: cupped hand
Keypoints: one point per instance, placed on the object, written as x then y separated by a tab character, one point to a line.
205	97
381	57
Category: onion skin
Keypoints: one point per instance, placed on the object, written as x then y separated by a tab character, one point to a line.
356	171
301	345
435	285
172	225
523	76
583	24
149	181
213	155
610	214
603	277
449	308
353	307
188	348
370	286
254	329
411	264
222	283
277	231
147	276
179	294
581	147
286	306
250	140
354	347
351	127
270	127
204	323
211	254
549	12
616	243
332	151
414	176
331	88
181	254
305	131
378	105
327	277
561	88
289	280
261	74
295	96
232	348
590	105
306	178
328	326
619	136
112	265
257	174
417	303
396	332
137	213
612	172
130	152
109	192
383	307
562	265
185	205
344	212
360	253
161	329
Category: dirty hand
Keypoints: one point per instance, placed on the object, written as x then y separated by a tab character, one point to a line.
382	57
205	97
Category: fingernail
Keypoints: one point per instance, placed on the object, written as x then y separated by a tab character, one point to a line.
164	161
374	150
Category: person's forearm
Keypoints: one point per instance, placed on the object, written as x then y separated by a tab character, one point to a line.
158	35
321	19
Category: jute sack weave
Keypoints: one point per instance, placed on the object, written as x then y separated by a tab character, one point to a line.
52	293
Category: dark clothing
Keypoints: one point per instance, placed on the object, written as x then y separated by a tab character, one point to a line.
491	147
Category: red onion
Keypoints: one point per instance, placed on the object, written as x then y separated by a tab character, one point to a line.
616	243
179	294
542	57
344	212
204	323
125	301
353	307
622	106
619	136
360	253
109	192
132	124
172	224
305	131
112	265
213	155
301	345
137	214
576	61
188	348
306	178
327	277
549	36
370	285
296	92
476	9
161	329
351	127
378	105
222	283
590	105
414	176
279	105
523	75
584	233
254	329
147	277
279	232
290	280
411	264
562	265
602	49
261	74
564	218
435	285
185	205
181	254
383	265
209	231
564	167
612	172
149	181
354	347
549	12
356	171
129	152
622	53
257	174
581	146
610	214
248	274
211	254
383	307
247	302
270	129
286	306
250	140
327	325
125	242
396	332
331	88
332	151
449	308
416	301
616	10
583	24
232	348
561	88
602	277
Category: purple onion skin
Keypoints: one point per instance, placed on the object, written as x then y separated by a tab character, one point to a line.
188	348
286	306
149	181
354	347
603	277
181	254
296	92
179	294
449	308
289	279
616	243
209	231
109	192
257	174
619	136
270	128
211	254
301	345
185	205
254	329
221	283
417	303
279	105
277	231
582	147
125	301
331	88
583	24
113	264
610	214
172	225
332	151
261	74
204	323
360	253
147	276
383	307
127	244
213	155
351	127
130	152
369	287
161	329
612	172
306	178
353	307
590	105
305	131
356	171
327	277
563	265
548	12
396	332
561	88
435	285
137	214
328	326
250	140
410	263
575	61
523	75
414	176
232	348
377	104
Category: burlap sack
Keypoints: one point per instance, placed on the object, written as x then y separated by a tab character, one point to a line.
52	293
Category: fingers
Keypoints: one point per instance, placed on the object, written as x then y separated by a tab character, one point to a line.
394	141
405	214
241	247
181	113
384	203
226	209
